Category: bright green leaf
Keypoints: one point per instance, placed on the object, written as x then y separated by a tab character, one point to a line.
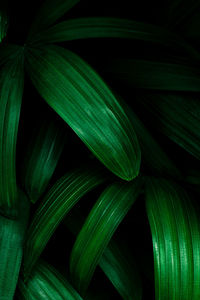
99	227
11	90
55	205
176	241
83	100
46	283
11	248
41	158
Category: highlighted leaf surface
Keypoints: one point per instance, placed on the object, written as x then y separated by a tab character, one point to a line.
83	100
56	204
176	241
103	220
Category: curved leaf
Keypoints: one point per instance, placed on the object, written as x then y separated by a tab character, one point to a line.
46	283
11	90
176	241
49	12
41	158
83	100
106	27
11	248
103	220
156	75
56	204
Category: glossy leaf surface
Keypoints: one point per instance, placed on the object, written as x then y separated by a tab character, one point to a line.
56	204
83	100
176	241
99	227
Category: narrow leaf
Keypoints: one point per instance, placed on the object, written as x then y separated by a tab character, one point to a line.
104	27
11	90
3	24
178	117
103	220
11	248
56	204
46	283
176	241
116	262
49	12
156	75
83	100
41	158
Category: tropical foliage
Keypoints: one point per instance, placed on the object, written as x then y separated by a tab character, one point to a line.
99	151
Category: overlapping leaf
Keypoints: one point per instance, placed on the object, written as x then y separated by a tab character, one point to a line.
11	90
46	283
49	12
156	75
41	158
176	241
9	52
103	220
83	100
11	248
115	262
55	205
178	117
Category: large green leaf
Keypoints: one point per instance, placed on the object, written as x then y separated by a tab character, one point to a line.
56	204
99	227
156	75
83	100
116	262
41	158
11	90
49	12
11	248
46	283
178	117
176	241
106	27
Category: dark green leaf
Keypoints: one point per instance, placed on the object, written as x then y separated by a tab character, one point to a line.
11	90
104	27
178	117
46	283
156	75
9	52
49	12
11	248
3	24
56	204
41	158
83	100
103	220
176	241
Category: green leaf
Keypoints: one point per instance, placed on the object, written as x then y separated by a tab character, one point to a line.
106	27
49	12
99	227
176	241
155	75
55	205
3	24
11	248
41	158
11	90
118	266
176	116
116	262
46	283
9	52
83	100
